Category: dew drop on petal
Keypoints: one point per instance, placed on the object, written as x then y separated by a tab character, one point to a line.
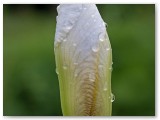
111	69
68	27
75	75
75	63
100	66
58	7
108	49
64	39
74	44
112	97
95	48
57	71
92	16
64	67
84	8
101	37
92	77
104	24
105	86
56	18
56	45
105	89
57	42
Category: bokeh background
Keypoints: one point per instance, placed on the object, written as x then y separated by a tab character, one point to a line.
30	83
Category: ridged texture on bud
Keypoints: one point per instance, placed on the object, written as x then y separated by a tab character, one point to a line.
83	61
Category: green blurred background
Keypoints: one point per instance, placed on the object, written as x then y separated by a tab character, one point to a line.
30	85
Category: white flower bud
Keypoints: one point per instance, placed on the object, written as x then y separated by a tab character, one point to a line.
84	61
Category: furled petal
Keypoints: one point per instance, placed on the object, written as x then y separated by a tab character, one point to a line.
83	60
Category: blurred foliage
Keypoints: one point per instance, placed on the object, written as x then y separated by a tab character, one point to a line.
30	82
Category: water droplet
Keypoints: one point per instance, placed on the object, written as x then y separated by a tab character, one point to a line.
56	18
68	27
56	45
75	75
64	67
57	71
104	24
101	37
105	86
64	39
100	66
75	63
84	8
95	48
92	77
111	69
105	89
58	7
92	16
108	49
74	44
57	42
112	97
